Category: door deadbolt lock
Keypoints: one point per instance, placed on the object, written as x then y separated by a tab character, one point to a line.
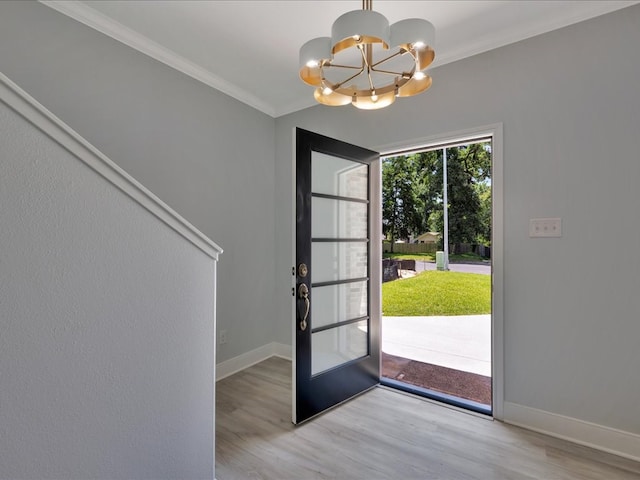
302	270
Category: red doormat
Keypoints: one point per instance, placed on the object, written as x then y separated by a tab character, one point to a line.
466	385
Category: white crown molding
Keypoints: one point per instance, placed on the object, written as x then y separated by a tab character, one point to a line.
65	136
516	34
103	24
296	106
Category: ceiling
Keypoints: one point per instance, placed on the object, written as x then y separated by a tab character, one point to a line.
249	49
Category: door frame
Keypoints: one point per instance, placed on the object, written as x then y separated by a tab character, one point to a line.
494	130
497	239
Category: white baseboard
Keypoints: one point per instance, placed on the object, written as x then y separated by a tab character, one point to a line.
281	350
606	439
236	364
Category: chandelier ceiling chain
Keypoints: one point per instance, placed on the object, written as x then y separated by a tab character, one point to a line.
368	63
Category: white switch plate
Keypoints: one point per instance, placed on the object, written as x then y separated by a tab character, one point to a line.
545	227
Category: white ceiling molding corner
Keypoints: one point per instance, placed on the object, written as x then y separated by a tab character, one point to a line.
96	20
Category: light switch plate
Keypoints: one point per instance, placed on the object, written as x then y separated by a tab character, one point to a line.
545	227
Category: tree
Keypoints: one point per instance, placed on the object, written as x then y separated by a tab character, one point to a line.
428	187
484	194
412	193
399	214
469	194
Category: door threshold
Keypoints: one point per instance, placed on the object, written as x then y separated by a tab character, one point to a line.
438	396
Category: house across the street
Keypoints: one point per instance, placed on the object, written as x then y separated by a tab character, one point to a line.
428	237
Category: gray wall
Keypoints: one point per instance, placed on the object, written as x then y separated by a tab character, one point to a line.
570	106
107	316
206	155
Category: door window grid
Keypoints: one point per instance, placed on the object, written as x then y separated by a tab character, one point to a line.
335	346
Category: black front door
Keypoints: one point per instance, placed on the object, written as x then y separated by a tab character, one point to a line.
337	324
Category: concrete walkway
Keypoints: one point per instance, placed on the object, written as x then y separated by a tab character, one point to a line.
458	342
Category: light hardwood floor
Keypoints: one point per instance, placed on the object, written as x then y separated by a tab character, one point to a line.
383	434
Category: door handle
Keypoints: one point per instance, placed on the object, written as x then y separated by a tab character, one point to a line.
303	292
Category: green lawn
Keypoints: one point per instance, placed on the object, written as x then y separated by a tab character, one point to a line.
437	293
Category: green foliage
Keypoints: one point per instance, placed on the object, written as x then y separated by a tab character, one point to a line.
428	186
437	293
469	194
484	213
399	213
412	194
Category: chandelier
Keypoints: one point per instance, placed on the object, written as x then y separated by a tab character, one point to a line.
366	62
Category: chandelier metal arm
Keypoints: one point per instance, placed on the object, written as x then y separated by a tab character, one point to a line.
389	72
340	84
366	57
366	61
371	85
387	59
368	49
335	65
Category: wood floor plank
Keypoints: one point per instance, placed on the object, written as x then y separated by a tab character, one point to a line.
382	435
